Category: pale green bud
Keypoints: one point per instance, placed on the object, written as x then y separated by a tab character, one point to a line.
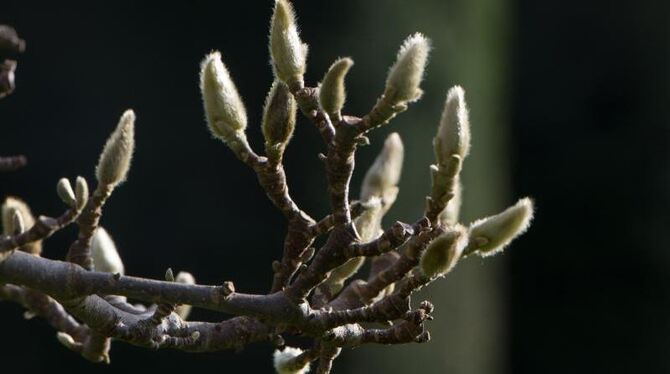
81	193
384	173
278	119
115	158
340	274
105	256
282	361
443	253
184	310
185	278
404	78
224	109
332	94
490	235
10	207
66	193
169	275
288	52
453	134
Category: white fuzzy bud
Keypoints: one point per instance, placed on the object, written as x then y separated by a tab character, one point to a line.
224	109
453	134
184	310
279	115
9	207
491	235
66	193
332	93
444	252
282	361
384	173
185	278
289	53
104	253
81	193
115	158
404	78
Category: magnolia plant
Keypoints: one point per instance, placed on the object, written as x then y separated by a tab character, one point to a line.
316	292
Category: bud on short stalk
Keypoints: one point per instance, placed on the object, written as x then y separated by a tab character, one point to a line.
443	253
66	193
332	94
289	54
224	109
491	235
404	78
279	116
451	145
453	134
10	208
115	158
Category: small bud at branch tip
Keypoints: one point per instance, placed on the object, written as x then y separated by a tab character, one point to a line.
65	192
289	53
404	78
224	109
492	234
115	158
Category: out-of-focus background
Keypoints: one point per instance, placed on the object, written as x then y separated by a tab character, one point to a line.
569	105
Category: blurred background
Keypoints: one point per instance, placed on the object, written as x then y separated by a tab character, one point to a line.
569	105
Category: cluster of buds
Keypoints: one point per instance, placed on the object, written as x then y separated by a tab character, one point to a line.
316	292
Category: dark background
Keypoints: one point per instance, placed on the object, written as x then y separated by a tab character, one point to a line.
587	129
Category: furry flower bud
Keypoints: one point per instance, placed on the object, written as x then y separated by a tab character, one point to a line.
443	253
66	193
9	207
404	78
384	173
283	361
288	52
115	158
103	251
490	235
278	119
224	109
453	134
332	94
81	192
184	310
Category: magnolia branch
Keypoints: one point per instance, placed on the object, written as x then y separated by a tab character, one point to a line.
316	292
